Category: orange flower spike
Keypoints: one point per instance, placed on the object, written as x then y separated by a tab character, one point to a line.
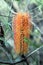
21	28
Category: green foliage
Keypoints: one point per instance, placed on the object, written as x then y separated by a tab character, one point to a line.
17	0
38	2
31	43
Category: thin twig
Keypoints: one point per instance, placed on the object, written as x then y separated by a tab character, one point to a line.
34	51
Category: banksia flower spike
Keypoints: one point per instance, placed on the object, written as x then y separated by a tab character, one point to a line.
21	28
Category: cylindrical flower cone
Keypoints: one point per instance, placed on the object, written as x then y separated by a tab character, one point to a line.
21	28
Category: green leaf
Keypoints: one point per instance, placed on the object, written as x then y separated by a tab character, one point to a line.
17	0
31	43
27	41
2	39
